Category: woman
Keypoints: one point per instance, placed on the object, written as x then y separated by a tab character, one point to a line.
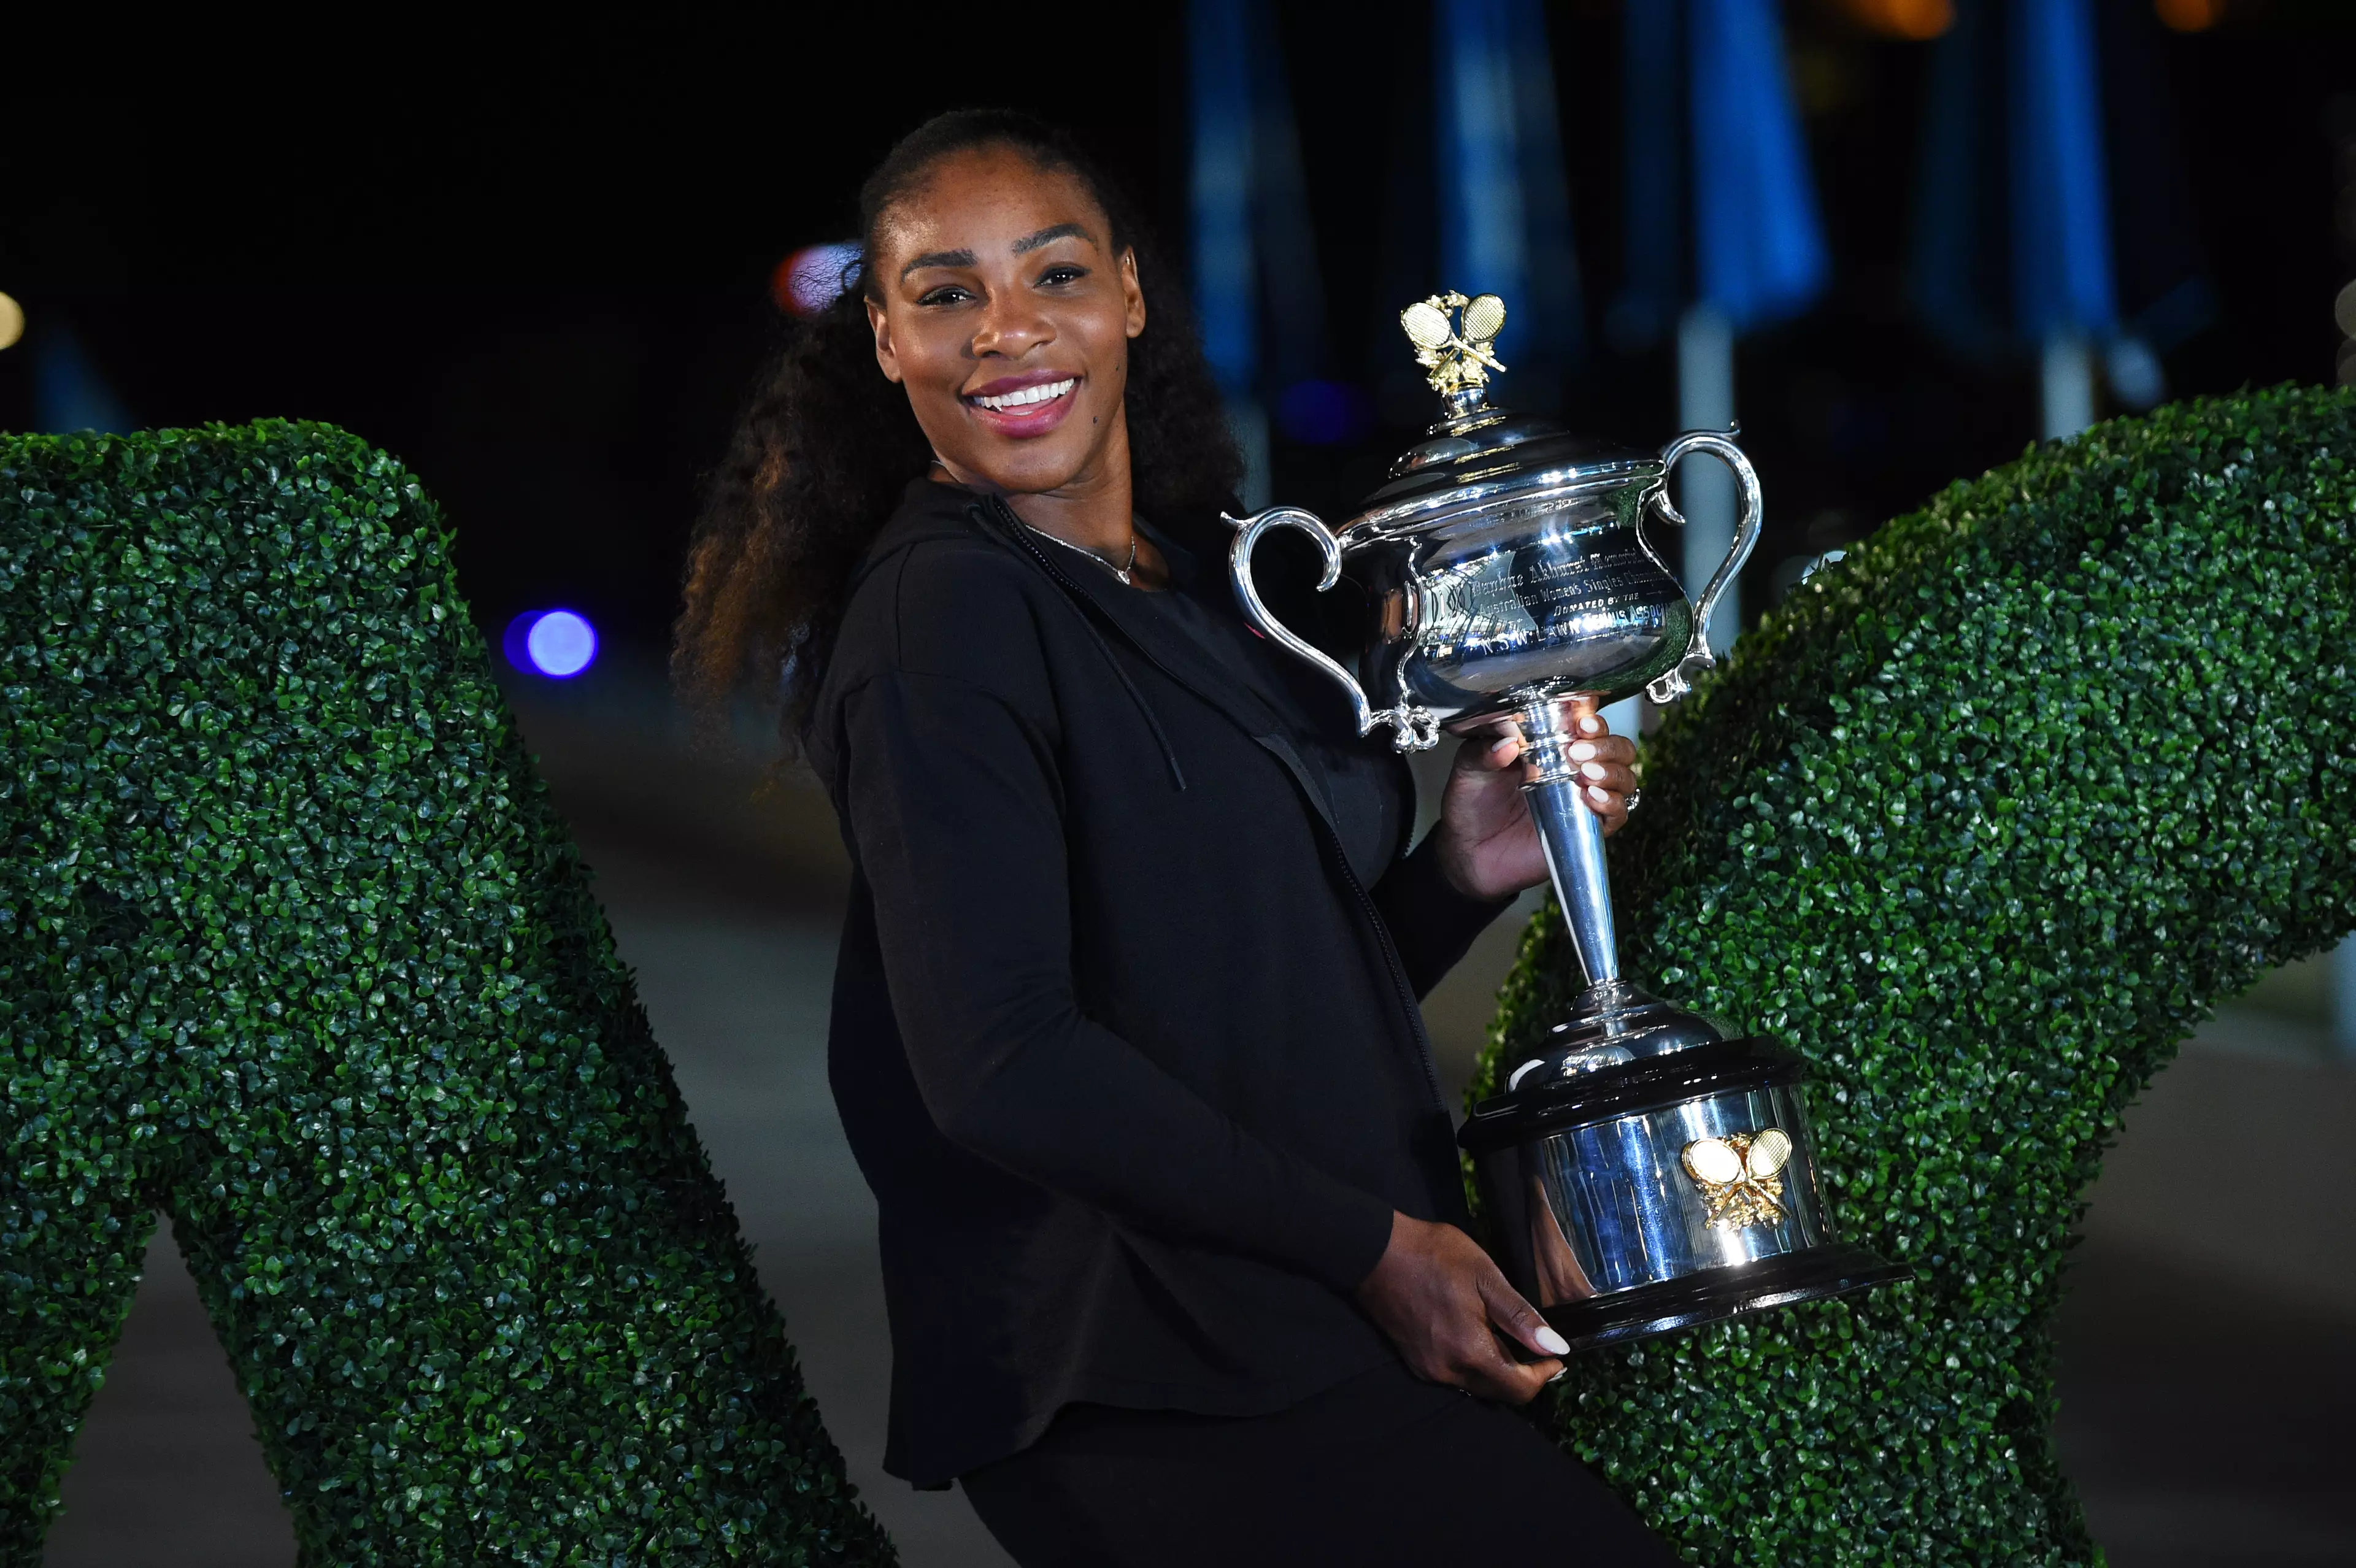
1125	1032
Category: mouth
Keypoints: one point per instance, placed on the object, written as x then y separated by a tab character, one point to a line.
1020	410
1027	397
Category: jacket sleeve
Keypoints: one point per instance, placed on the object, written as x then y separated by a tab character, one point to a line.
954	801
1431	924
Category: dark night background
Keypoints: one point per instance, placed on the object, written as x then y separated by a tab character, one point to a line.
540	276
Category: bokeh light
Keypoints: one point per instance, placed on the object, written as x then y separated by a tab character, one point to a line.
11	322
558	643
2137	376
1914	19
811	279
2190	15
561	644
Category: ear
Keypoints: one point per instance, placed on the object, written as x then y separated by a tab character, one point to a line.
1132	294
885	356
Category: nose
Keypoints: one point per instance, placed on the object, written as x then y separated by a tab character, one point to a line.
1011	326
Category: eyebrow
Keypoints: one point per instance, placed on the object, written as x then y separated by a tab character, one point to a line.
1028	242
939	258
1060	232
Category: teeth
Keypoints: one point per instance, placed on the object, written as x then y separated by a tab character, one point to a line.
1046	391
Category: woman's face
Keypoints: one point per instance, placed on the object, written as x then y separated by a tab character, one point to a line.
1008	318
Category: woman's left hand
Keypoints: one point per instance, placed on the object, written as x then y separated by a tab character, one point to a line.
1488	843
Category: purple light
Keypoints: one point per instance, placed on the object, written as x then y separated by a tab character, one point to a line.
558	643
811	277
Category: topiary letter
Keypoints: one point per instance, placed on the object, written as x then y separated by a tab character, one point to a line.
1981	822
292	945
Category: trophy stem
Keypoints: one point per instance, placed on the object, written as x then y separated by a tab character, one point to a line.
1572	834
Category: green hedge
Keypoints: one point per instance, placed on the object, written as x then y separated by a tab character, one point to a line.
1982	822
292	948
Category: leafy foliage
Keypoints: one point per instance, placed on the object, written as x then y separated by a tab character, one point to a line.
1980	822
292	945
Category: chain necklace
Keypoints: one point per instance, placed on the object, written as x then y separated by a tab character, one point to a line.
1125	571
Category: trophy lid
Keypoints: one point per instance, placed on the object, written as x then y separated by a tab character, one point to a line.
1477	452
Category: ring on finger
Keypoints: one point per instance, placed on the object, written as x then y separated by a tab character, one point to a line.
1631	798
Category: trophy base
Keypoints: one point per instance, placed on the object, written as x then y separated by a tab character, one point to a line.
1709	1296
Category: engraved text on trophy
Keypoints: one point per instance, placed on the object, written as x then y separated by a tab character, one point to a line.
1560	612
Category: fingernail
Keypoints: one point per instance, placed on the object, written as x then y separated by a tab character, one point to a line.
1591	725
1593	770
1552	1343
1600	797
1502	747
1581	750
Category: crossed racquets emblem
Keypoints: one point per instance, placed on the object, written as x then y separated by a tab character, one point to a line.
1740	1176
1455	348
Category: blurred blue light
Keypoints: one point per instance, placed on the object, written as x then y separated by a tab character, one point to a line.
813	277
1324	413
558	643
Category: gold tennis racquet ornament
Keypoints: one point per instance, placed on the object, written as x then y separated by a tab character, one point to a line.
1646	1168
1740	1176
1452	336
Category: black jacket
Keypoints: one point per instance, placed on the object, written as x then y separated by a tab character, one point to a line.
1130	1058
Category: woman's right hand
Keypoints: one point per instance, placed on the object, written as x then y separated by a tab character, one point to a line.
1444	1304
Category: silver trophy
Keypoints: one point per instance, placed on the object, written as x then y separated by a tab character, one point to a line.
1646	1172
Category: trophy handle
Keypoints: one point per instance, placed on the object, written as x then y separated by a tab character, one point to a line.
1414	728
1668	687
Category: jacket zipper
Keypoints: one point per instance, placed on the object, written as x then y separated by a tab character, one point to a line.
1400	988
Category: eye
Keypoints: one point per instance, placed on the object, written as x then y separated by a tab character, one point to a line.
1062	273
948	293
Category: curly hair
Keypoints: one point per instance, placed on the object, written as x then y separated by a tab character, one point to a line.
826	444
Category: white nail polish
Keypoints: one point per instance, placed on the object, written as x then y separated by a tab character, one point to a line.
1581	750
1590	726
1593	770
1552	1343
1599	796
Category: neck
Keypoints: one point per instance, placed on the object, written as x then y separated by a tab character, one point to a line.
1093	509
1100	518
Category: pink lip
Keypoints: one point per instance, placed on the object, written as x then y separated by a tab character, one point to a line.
1032	419
1016	382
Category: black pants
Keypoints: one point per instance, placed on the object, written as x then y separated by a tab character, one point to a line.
1383	1468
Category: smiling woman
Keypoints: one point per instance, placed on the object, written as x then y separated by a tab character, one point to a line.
826	444
1010	324
1125	1033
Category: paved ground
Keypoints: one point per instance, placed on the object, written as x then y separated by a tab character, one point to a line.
2206	1424
2206	1427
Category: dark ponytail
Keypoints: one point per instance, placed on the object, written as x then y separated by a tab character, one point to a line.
826	445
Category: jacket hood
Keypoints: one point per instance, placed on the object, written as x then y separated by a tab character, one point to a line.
930	511
927	510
